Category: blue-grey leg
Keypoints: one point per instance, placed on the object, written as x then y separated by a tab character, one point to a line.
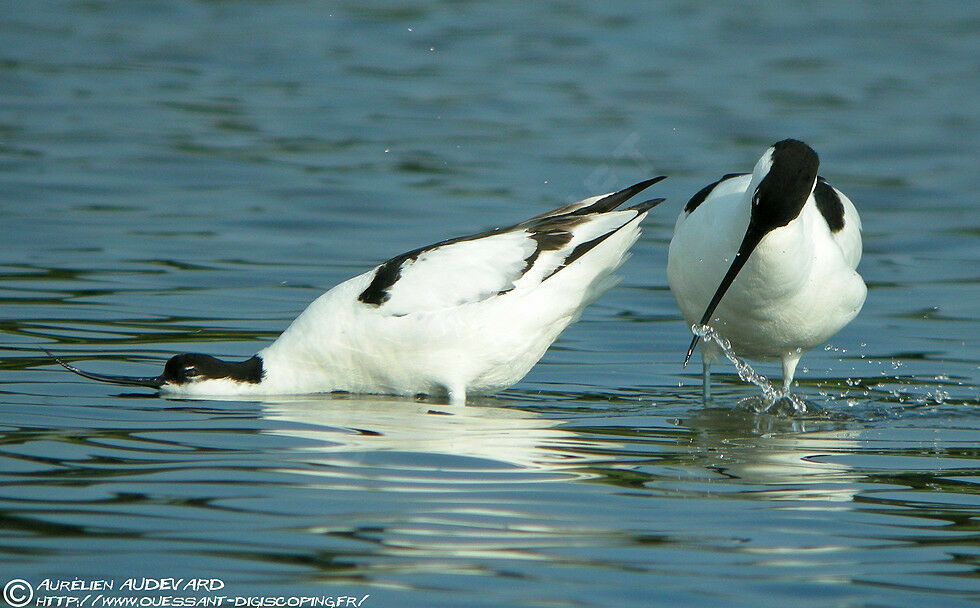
789	370
457	395
705	380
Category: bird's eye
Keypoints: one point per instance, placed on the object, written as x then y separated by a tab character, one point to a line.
190	372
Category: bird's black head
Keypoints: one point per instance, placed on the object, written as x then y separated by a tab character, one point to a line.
784	178
788	172
192	367
195	367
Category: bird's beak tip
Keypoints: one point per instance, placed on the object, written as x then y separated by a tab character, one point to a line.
148	382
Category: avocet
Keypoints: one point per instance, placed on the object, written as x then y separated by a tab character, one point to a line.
465	316
768	259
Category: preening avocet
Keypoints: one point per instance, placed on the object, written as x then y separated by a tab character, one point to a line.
768	260
468	315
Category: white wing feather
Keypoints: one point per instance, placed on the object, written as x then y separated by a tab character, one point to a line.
473	269
459	273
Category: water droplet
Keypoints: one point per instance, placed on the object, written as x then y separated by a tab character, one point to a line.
770	393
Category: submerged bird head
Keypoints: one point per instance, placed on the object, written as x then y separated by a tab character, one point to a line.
183	370
190	368
781	184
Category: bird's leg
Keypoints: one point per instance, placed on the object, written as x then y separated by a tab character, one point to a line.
457	395
705	380
789	369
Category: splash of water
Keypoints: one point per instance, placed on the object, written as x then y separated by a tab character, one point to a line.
771	395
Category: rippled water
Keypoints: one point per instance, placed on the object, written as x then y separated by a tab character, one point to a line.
189	175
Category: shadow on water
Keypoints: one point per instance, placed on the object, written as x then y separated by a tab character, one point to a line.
362	426
481	479
352	432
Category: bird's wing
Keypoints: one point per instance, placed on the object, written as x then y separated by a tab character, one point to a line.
724	192
702	195
474	268
842	219
448	274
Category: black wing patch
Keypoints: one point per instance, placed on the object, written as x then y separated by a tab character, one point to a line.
604	204
608	203
548	238
703	193
376	293
550	231
829	204
388	273
583	248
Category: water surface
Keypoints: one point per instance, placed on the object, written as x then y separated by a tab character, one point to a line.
189	175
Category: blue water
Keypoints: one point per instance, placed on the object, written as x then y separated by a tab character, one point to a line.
184	175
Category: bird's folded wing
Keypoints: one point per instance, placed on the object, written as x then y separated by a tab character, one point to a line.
448	274
473	269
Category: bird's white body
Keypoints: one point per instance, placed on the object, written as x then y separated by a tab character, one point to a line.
463	317
797	288
449	330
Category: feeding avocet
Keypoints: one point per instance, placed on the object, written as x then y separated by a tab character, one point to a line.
465	316
768	260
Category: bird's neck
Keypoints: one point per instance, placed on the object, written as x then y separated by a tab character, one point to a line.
251	370
301	370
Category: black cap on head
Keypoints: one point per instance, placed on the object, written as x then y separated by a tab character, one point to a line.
194	367
777	201
780	196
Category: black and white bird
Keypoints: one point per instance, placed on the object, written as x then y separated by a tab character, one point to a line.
768	260
465	316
